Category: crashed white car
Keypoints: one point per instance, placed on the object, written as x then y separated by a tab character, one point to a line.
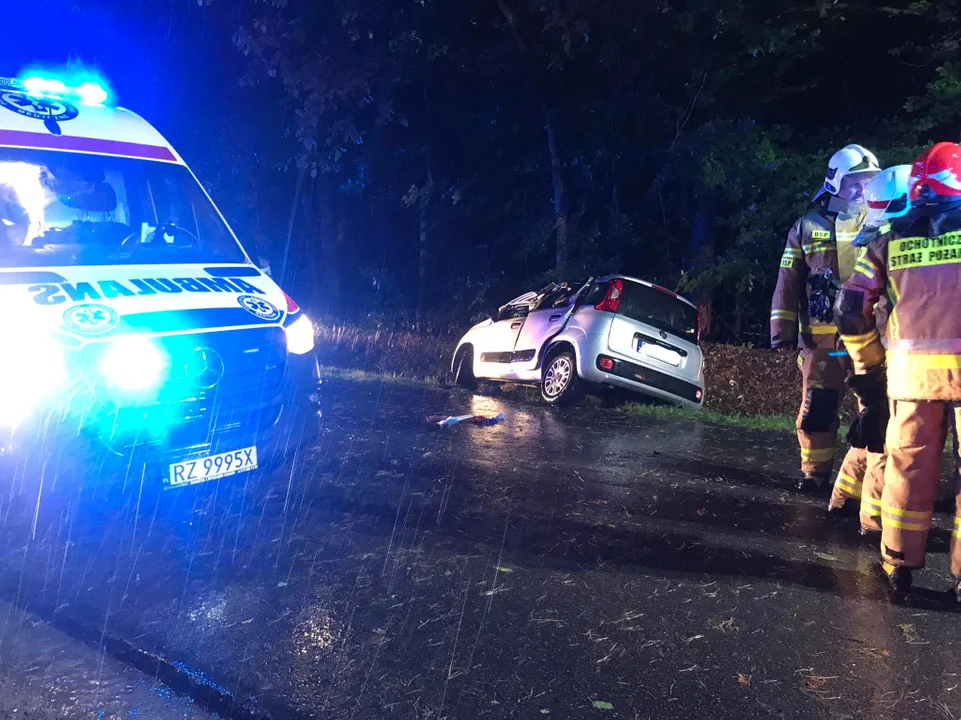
616	332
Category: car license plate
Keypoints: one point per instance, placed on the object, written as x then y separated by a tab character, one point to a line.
212	467
658	353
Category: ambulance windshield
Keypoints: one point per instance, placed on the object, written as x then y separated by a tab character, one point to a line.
59	208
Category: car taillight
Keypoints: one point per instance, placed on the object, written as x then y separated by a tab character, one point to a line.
606	364
612	301
698	395
292	307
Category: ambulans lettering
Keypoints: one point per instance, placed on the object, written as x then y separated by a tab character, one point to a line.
923	252
164	286
219	284
47	294
191	285
57	293
142	287
246	286
112	289
81	291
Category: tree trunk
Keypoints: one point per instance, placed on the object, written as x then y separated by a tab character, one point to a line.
334	261
702	251
423	244
298	191
561	224
615	198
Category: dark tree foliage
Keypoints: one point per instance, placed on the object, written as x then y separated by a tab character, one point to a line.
425	159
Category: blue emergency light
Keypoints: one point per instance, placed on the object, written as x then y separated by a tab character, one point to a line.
88	92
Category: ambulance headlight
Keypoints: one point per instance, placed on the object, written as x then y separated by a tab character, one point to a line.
300	336
134	364
32	369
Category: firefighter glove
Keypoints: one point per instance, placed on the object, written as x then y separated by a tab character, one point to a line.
868	428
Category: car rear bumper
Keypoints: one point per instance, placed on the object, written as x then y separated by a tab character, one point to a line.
630	375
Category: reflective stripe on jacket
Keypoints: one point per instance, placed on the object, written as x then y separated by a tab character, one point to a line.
918	267
811	247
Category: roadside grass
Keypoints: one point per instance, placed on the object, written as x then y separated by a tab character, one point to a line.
327	372
769	423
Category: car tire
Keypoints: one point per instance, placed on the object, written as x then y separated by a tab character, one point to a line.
560	384
464	373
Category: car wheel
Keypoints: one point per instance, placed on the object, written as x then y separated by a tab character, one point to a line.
464	374
559	382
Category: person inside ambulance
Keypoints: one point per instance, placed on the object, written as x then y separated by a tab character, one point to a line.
918	266
21	204
861	477
820	245
14	220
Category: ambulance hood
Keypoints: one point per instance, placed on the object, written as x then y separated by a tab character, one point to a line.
82	304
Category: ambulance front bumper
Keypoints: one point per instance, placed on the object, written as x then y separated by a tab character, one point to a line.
245	390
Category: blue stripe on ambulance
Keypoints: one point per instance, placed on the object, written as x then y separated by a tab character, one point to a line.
168	321
57	293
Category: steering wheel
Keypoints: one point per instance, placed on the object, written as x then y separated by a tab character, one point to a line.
135	239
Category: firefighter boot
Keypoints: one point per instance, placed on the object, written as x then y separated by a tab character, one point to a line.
870	537
813	483
899	577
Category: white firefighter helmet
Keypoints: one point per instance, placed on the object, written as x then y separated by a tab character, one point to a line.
888	198
887	195
850	160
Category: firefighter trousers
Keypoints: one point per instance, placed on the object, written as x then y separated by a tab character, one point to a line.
915	441
822	390
861	478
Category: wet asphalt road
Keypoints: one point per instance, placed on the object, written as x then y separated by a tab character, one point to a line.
572	564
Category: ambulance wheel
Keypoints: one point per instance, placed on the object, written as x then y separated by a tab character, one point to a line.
559	382
464	373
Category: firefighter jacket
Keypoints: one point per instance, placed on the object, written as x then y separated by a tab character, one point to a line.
820	240
918	266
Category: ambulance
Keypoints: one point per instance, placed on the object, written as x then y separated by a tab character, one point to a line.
135	324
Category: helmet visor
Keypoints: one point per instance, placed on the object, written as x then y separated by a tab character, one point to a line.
894	208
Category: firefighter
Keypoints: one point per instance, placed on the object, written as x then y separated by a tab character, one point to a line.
822	240
918	265
862	473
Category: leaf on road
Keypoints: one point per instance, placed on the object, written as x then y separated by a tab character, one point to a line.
545	711
877	653
500	568
743	679
726	626
826	556
601	705
911	635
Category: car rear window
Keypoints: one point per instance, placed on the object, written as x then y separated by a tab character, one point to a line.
657	308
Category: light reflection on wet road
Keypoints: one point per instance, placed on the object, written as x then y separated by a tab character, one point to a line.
559	562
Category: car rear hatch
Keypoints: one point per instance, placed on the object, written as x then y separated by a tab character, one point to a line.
655	329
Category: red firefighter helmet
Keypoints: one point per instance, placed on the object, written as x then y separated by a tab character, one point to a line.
936	175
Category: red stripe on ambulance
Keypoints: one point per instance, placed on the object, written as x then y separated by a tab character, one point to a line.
96	146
